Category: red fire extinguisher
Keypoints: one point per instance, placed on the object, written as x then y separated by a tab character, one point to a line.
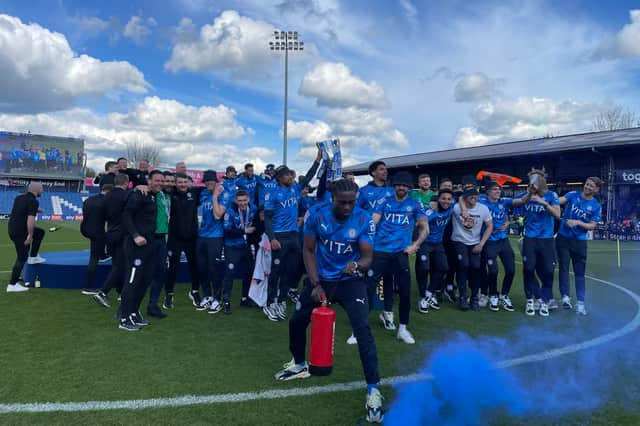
323	325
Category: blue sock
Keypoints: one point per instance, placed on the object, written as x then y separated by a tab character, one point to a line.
371	387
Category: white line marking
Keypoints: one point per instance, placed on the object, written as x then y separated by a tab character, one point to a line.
53	243
187	400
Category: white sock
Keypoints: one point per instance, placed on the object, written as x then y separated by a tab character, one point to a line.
449	286
403	327
428	294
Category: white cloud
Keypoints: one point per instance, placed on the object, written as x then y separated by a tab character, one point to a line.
137	29
356	121
628	39
410	12
182	131
333	85
476	87
40	72
231	42
524	118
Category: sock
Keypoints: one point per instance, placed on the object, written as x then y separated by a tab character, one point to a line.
428	294
371	387
403	327
449	287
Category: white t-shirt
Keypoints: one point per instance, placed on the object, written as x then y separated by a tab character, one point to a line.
471	234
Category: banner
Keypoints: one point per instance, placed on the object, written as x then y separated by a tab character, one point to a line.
628	176
23	155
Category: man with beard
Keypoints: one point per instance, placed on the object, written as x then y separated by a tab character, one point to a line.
431	258
396	217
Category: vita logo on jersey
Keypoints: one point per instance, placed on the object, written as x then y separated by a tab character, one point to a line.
338	247
397	218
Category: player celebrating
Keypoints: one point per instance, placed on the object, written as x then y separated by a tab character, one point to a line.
498	246
581	214
396	218
338	243
540	207
431	257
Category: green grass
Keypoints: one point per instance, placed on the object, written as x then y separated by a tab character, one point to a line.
59	346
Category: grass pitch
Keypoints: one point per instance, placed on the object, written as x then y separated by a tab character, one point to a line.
59	346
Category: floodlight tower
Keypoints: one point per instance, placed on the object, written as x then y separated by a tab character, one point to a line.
286	41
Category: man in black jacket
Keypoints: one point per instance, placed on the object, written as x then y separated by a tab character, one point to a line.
183	234
114	203
92	227
139	221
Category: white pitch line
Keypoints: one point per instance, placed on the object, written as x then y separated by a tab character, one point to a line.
188	400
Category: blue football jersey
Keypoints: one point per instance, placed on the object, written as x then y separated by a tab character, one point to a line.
395	229
210	227
577	208
338	243
250	185
283	202
237	220
499	214
438	221
264	185
538	222
371	196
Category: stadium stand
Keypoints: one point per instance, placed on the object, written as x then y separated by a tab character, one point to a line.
58	205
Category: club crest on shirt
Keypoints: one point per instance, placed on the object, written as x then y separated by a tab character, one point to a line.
409	208
352	233
589	208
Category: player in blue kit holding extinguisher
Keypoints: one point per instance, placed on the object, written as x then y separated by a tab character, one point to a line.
338	245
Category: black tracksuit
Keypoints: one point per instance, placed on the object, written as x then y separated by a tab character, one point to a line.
114	202
183	234
138	219
92	227
24	205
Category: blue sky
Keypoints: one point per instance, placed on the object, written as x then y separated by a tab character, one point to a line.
388	77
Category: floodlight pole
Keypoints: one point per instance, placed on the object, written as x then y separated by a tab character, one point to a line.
289	41
286	93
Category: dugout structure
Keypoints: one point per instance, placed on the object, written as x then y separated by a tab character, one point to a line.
613	155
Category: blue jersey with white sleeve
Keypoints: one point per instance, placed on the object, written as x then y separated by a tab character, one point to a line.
210	227
438	221
538	222
283	202
338	243
397	220
371	196
499	214
578	208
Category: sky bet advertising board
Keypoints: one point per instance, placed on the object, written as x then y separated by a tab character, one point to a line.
39	156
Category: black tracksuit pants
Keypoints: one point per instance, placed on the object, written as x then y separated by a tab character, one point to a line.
116	276
492	251
175	248
284	266
467	269
23	252
96	252
431	259
140	268
352	295
239	265
396	264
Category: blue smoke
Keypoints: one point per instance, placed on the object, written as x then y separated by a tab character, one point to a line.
465	384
